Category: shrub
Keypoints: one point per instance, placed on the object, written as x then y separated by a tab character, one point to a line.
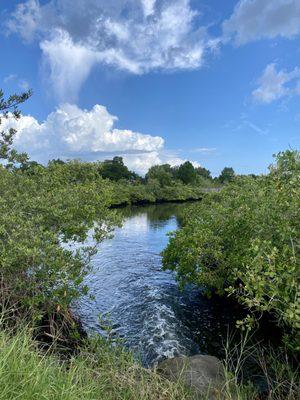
244	242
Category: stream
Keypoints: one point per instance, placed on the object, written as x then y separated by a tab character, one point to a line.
141	302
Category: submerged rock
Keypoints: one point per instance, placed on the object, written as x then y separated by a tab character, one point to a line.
203	373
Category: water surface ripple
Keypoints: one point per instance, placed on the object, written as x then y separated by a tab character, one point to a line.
144	304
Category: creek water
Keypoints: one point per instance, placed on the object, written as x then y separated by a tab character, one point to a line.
143	304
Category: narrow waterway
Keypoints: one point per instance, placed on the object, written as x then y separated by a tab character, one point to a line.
143	303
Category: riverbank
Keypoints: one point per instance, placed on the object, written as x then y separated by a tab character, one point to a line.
40	211
192	195
124	194
88	380
98	371
102	369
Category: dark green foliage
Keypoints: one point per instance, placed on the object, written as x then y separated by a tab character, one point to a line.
186	173
244	242
115	170
203	173
162	173
57	161
227	175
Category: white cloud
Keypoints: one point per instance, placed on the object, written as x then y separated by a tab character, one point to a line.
142	162
70	64
263	19
245	125
26	19
134	35
274	84
204	150
24	85
149	6
70	132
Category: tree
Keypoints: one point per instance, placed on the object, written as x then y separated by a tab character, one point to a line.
56	161
163	173
115	169
203	172
30	167
227	175
9	109
38	212
187	173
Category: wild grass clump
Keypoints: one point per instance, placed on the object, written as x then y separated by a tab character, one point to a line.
254	371
99	371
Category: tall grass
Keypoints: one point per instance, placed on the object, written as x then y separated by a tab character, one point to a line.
98	372
276	369
104	370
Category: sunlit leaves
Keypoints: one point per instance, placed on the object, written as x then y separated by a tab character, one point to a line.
244	241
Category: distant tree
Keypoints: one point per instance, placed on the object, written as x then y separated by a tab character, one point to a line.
56	161
136	177
187	173
162	173
227	175
31	167
203	172
9	109
115	169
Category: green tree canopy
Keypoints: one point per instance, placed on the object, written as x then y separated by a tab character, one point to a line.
162	173
186	173
115	169
227	175
203	172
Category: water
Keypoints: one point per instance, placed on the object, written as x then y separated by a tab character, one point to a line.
142	302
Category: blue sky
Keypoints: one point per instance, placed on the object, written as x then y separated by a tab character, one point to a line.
214	82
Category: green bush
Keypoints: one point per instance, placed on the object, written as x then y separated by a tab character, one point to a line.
244	242
39	213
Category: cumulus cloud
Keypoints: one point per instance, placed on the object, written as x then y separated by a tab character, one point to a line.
263	19
142	162
71	132
274	84
132	35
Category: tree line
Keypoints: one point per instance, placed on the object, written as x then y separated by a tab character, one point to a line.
116	170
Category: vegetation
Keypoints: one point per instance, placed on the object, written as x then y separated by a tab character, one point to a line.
227	175
99	371
116	170
44	208
241	242
244	242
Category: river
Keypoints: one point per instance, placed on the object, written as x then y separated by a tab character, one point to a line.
143	303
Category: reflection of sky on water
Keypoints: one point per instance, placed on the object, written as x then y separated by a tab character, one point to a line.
144	303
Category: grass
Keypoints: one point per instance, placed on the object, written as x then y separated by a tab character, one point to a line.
104	370
277	369
98	372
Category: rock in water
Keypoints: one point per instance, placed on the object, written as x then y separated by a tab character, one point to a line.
204	374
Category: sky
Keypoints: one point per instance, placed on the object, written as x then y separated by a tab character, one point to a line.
155	81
